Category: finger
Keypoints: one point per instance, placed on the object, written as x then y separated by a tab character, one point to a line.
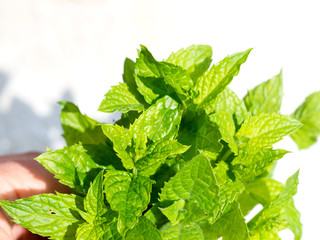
21	233
5	228
10	231
21	176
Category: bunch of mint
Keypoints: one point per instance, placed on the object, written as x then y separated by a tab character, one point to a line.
187	160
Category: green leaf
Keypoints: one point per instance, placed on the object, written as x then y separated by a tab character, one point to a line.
194	182
174	212
157	153
119	98
196	59
128	119
247	202
230	226
157	79
189	210
129	195
262	131
308	113
159	122
76	166
191	213
260	190
48	215
264	235
264	190
129	79
201	135
176	77
280	213
147	76
104	231
143	230
156	216
217	78
181	232
104	155
293	218
100	218
229	188
226	128
94	200
163	174
266	97
248	166
121	139
228	101
78	127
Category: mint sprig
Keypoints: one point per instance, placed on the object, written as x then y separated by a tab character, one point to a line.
187	160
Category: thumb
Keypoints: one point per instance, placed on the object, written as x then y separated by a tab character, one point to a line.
20	177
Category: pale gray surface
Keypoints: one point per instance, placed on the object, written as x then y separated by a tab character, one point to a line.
52	50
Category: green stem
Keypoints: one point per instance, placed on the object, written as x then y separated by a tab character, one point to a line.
226	155
135	171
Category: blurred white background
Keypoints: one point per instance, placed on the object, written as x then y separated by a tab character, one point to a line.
52	50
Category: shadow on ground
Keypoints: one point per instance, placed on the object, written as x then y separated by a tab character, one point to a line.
21	129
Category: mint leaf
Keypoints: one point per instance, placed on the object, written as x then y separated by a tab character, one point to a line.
157	79
147	77
195	59
308	113
144	230
266	97
163	174
181	232
201	135
230	226
156	154
41	214
156	216
262	191
119	98
262	131
228	101
94	200
78	127
229	188
128	119
265	235
76	166
192	207
248	166
174	212
265	190
100	218
247	202
217	78
104	231
192	213
129	79
227	128
127	194
159	122
121	139
195	181
280	213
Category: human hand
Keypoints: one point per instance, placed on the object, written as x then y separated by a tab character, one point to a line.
20	177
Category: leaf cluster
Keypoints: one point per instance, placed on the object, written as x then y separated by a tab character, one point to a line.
187	160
